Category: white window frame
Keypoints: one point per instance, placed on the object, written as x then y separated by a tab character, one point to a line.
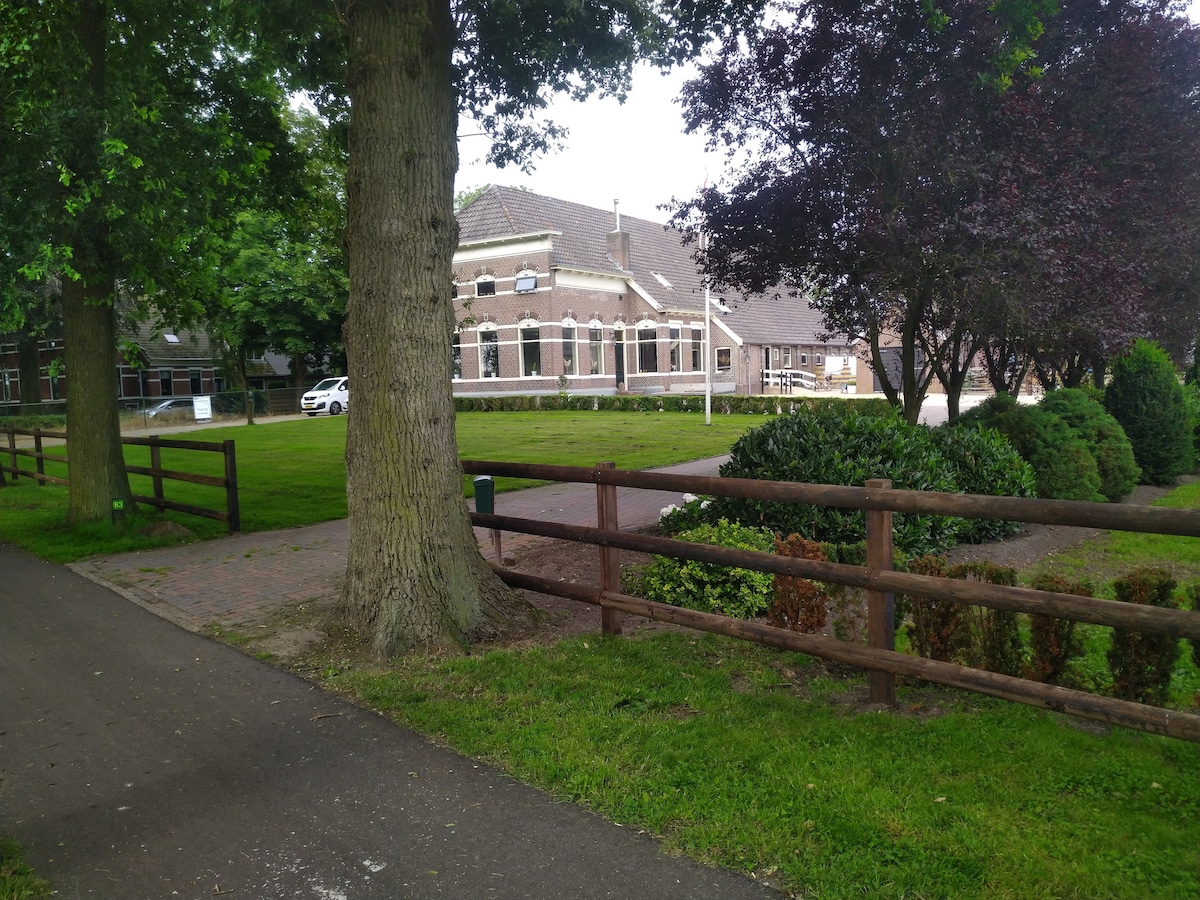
528	370
491	345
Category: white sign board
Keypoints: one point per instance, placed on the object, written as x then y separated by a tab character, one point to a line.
202	408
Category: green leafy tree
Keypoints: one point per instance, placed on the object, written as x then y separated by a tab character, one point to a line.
1146	397
130	130
283	281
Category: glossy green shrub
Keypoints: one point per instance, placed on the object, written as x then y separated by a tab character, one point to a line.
844	448
1052	641
1062	463
1141	663
740	593
982	461
1145	396
1113	452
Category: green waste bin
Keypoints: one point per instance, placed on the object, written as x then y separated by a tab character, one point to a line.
485	495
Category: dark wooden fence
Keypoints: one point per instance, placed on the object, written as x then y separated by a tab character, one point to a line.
231	514
877	578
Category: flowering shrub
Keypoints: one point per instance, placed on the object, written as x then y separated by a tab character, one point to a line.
674	519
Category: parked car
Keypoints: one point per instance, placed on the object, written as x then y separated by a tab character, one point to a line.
176	407
331	395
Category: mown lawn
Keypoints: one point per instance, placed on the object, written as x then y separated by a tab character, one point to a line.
294	473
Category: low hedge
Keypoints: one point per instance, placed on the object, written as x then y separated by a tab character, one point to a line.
724	404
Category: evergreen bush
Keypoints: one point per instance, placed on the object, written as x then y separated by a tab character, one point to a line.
1062	463
1110	447
1141	663
730	591
982	461
848	447
1145	396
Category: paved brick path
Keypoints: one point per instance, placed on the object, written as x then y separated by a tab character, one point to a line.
244	579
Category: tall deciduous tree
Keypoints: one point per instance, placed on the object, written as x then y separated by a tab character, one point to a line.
857	121
414	574
282	278
134	124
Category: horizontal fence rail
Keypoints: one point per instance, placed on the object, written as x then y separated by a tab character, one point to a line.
231	514
877	578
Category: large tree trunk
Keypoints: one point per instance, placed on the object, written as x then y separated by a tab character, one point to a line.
414	574
97	467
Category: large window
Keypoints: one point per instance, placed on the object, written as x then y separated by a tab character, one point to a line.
787	357
531	350
697	350
489	355
195	380
485	286
570	366
676	350
596	350
166	382
647	349
724	359
456	358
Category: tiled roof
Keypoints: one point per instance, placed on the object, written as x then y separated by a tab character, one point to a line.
192	346
580	241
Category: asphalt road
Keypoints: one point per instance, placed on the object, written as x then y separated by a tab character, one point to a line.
138	760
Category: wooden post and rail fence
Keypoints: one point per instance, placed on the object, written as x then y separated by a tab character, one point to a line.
877	578
231	514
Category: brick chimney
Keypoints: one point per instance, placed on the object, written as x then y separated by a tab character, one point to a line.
618	242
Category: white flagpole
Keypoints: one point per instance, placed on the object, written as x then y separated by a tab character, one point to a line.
708	352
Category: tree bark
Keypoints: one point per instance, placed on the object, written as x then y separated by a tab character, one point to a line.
97	466
414	574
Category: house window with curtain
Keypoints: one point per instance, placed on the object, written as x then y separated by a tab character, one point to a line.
676	349
596	349
697	350
456	357
724	359
489	354
166	382
570	366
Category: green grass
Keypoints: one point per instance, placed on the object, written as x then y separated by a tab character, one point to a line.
751	759
293	473
17	880
1115	553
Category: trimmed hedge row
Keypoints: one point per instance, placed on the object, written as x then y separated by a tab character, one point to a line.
735	404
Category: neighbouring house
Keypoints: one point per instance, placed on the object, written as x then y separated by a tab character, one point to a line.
161	363
553	295
166	363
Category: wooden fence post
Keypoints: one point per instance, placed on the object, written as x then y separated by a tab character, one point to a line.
156	464
881	627
231	490
39	463
610	562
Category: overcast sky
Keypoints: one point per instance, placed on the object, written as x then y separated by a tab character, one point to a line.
636	153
